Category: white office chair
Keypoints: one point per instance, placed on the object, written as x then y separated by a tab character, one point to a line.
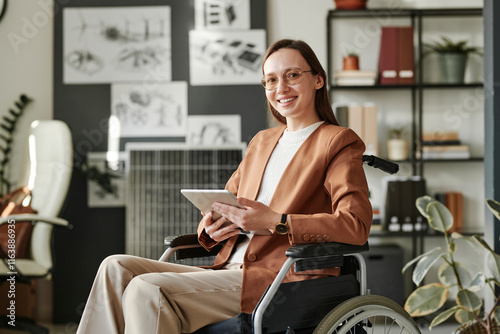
50	168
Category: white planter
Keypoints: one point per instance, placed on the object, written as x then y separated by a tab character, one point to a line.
397	149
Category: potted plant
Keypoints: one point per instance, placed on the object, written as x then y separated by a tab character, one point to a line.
453	274
397	147
350	62
350	4
452	57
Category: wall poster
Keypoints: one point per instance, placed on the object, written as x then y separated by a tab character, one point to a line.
150	111
214	130
116	44
226	57
222	14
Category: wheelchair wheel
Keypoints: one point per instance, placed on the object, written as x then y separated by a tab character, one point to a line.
367	314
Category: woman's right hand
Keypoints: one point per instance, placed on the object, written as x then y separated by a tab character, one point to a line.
220	229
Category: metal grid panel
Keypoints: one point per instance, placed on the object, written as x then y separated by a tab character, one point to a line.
156	174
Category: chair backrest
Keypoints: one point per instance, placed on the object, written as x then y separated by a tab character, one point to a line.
51	165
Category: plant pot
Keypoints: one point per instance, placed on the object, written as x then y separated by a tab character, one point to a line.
350	63
397	149
453	67
350	4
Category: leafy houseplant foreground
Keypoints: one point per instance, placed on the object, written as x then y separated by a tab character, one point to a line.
452	274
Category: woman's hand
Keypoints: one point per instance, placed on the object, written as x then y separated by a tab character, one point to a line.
255	216
220	229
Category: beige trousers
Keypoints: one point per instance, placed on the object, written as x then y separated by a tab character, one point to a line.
134	295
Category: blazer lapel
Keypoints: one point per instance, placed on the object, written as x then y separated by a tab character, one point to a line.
260	162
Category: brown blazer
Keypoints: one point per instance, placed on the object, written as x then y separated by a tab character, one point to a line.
324	192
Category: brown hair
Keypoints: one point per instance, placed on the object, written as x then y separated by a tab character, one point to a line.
322	101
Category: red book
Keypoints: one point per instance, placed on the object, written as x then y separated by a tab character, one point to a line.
387	63
405	56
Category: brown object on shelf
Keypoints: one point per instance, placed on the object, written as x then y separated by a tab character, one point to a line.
454	202
350	63
350	4
388	62
405	62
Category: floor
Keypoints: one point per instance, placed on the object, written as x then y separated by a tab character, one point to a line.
69	329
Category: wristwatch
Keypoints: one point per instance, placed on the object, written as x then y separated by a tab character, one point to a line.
282	226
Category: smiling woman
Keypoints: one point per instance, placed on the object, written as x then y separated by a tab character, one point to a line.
3	8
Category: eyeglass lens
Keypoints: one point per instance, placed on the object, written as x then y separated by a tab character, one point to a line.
290	76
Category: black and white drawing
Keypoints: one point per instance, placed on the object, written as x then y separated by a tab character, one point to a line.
214	130
226	57
116	44
111	191
150	111
222	14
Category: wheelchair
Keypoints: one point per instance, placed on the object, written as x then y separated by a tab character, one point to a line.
339	304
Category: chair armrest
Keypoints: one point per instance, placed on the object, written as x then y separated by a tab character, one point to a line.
187	247
34	217
181	240
322	249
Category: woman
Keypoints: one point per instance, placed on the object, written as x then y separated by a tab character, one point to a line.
302	181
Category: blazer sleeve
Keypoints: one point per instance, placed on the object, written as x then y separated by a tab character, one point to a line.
345	184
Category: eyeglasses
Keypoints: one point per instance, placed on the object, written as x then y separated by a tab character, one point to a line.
290	76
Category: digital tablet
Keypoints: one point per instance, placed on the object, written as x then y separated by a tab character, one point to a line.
204	198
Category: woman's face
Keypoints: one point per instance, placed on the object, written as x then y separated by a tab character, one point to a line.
296	101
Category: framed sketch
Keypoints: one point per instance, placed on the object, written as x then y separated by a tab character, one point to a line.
150	111
226	57
222	14
116	44
214	130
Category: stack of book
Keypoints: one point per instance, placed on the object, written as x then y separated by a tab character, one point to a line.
443	145
356	78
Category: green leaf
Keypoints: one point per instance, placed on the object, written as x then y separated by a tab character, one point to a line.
493	264
409	264
423	266
469	300
426	299
447	275
440	217
477	282
494	207
421	204
483	243
471	241
462	316
444	316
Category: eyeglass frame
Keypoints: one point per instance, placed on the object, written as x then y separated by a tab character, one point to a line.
263	80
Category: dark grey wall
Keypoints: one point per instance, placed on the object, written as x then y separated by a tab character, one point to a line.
492	115
100	232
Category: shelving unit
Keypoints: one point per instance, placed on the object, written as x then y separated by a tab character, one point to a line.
369	20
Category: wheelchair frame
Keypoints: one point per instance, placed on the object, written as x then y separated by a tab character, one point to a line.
294	254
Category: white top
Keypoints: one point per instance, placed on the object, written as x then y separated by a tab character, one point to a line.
287	146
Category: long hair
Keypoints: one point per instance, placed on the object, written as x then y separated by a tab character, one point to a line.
322	101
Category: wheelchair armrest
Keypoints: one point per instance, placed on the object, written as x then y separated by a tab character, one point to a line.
182	240
322	249
187	247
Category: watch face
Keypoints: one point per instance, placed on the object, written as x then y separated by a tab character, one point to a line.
282	228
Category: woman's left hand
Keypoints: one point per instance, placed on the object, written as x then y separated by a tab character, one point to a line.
255	216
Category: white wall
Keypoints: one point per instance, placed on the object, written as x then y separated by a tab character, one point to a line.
26	42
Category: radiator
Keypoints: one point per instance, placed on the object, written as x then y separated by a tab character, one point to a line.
156	173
